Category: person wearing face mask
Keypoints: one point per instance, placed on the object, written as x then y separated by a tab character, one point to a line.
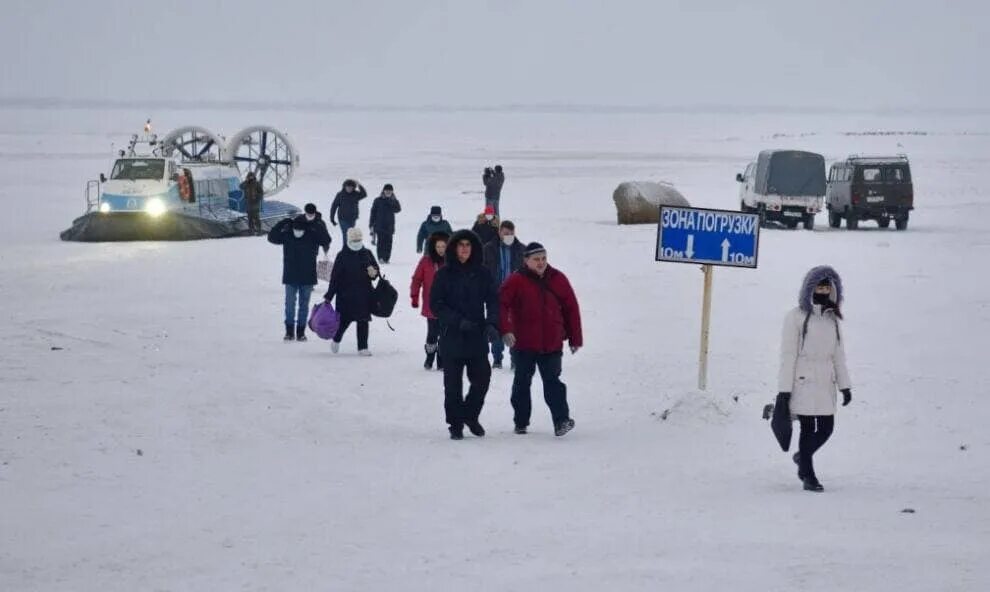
502	257
433	224
315	224
351	279
422	282
382	223
813	366
300	246
539	311
345	206
486	226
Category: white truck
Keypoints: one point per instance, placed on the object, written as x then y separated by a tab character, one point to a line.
785	186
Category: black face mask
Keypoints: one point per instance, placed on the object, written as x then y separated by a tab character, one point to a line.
822	299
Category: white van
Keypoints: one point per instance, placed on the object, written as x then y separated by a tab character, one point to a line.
786	186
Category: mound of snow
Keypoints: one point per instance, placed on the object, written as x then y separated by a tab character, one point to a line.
638	202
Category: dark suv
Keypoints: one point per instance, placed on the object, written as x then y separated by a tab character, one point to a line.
870	188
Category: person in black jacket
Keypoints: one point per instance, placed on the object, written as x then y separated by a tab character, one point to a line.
315	220
345	206
382	223
354	269
486	226
433	224
465	300
503	257
493	180
300	246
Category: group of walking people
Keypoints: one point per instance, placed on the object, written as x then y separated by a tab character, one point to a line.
480	290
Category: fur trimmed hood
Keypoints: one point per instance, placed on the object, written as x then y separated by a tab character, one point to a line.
814	276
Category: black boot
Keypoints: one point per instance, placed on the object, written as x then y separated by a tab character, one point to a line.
439	360
456	432
300	332
289	335
563	427
811	484
431	354
475	428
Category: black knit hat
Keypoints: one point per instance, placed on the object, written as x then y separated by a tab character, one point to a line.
436	211
388	187
533	249
310	209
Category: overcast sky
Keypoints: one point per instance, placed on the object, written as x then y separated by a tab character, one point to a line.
471	52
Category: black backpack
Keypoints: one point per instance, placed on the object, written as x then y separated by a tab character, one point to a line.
383	298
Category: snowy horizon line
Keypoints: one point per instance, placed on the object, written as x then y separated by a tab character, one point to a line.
587	108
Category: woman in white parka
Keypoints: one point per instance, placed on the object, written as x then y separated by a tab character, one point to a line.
813	365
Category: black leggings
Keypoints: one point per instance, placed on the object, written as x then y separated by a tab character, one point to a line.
815	431
384	246
362	331
432	333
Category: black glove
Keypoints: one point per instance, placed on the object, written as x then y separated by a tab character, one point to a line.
333	222
466	325
847	396
492	333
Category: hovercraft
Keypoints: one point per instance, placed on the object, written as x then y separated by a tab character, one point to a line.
186	186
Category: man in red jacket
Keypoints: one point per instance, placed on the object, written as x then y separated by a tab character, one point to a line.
538	312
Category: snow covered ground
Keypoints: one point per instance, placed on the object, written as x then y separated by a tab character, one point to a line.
157	434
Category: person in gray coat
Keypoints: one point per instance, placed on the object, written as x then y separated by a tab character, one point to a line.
813	366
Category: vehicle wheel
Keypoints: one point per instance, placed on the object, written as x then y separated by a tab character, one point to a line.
792	224
901	223
763	215
743	208
884	222
834	219
852	223
809	222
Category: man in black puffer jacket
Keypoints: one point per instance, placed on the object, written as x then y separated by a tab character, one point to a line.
301	244
465	300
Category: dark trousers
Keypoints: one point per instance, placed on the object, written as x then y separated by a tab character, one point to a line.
345	225
432	346
362	331
432	331
254	219
384	246
815	431
554	391
461	409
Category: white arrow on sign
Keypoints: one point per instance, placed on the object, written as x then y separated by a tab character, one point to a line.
690	247
725	249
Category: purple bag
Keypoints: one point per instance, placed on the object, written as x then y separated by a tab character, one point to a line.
324	320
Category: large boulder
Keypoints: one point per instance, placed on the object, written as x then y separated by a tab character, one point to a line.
638	202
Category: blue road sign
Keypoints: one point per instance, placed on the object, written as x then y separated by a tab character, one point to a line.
708	237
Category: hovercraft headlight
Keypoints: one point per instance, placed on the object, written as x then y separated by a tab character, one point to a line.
154	207
104	207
